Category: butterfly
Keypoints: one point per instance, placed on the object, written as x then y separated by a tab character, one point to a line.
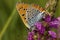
30	13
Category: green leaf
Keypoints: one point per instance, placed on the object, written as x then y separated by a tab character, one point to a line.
11	26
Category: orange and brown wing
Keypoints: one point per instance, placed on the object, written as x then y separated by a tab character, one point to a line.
21	7
38	7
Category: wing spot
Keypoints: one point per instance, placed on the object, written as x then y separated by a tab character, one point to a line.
23	9
24	18
32	17
20	8
28	18
26	9
23	14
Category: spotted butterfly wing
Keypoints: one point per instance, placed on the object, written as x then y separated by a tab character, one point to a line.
29	13
32	16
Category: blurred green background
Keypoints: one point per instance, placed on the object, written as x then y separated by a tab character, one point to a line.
11	26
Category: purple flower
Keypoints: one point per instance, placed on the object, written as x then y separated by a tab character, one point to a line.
52	34
58	28
40	27
59	20
47	18
30	35
54	19
49	38
39	38
54	23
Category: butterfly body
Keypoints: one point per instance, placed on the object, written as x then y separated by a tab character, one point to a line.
30	13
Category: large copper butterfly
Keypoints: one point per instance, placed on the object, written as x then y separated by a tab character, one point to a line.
30	13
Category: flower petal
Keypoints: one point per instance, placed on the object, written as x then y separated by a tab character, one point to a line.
52	34
47	18
54	23
40	27
30	35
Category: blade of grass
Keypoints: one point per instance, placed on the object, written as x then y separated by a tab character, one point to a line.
7	24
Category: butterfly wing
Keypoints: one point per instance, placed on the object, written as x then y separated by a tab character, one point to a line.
28	19
21	8
33	15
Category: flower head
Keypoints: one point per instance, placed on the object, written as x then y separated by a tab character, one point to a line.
58	27
47	18
40	27
54	23
39	38
59	20
52	34
30	35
